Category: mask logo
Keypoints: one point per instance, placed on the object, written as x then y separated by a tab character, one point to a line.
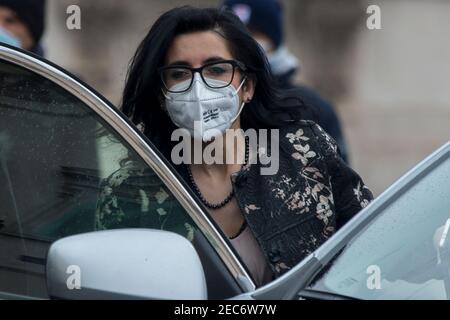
210	115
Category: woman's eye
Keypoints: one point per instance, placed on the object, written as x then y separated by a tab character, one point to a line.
216	70
179	74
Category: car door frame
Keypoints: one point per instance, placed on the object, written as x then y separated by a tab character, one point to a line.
141	145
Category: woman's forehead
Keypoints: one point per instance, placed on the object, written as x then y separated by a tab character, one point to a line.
197	48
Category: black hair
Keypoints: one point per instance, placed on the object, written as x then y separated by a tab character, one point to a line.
142	94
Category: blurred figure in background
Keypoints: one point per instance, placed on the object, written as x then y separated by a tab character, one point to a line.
22	24
264	19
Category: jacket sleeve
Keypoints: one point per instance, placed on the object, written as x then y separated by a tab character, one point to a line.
350	194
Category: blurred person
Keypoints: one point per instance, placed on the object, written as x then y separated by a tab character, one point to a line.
265	19
202	65
22	24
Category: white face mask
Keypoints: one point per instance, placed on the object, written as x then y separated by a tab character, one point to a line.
213	110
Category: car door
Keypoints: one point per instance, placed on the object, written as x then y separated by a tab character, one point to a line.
59	142
399	247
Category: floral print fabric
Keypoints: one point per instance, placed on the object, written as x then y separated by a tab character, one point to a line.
313	194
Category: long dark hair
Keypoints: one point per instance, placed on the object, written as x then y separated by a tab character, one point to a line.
142	95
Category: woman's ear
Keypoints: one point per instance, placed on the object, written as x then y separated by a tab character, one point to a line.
249	89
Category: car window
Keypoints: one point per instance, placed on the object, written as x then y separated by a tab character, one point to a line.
63	171
405	252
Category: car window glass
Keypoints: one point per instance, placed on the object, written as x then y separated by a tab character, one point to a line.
63	171
405	252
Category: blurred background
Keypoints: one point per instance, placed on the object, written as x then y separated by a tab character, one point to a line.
390	87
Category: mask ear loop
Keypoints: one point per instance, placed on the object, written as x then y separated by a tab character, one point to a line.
243	103
166	95
239	113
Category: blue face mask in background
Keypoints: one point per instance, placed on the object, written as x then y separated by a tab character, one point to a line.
8	38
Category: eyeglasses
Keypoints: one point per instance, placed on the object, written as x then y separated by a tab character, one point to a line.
215	75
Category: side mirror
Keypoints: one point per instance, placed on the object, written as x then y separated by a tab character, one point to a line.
125	264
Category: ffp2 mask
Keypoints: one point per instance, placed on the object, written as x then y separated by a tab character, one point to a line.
212	108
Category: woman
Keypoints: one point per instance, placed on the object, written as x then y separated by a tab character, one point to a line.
202	65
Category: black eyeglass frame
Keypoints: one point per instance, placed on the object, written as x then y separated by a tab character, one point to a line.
234	63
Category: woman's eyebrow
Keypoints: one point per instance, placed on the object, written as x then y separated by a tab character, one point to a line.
213	59
180	63
187	64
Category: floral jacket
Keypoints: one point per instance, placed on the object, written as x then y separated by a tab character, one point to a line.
290	213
